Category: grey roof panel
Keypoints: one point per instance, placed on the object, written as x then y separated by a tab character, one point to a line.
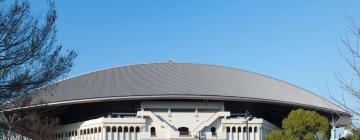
182	79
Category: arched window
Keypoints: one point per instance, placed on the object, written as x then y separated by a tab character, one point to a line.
84	131
95	130
88	131
126	129
113	129
227	129
76	132
244	129
233	129
99	128
91	130
183	131
72	133
213	131
250	129
255	129
137	129
153	131
131	128
81	132
107	128
119	129
239	129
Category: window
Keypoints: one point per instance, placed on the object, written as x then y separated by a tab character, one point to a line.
107	128
233	129
92	130
99	128
213	131
239	129
205	110
126	129
119	129
88	131
184	131
95	130
182	110
113	129
152	131
81	132
255	129
131	128
156	109
84	131
250	129
244	129
227	129
137	129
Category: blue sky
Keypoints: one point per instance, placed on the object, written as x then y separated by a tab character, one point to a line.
296	41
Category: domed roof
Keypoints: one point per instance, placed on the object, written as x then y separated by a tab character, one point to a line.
181	81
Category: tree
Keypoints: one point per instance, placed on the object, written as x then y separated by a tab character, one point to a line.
30	58
302	124
280	135
33	124
349	81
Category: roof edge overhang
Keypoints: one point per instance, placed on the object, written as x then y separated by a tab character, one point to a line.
193	97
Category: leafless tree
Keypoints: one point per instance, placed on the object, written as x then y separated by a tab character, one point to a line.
30	58
34	124
349	81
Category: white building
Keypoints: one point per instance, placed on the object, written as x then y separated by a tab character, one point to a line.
177	101
169	120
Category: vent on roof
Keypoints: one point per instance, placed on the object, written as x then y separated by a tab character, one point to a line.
171	61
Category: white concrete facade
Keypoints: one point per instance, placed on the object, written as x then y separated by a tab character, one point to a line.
169	120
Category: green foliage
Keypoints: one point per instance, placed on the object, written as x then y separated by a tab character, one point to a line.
280	135
275	135
309	136
302	125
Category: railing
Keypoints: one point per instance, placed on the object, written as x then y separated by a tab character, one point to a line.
156	119
211	120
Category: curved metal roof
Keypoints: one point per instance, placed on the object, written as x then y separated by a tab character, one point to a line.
182	80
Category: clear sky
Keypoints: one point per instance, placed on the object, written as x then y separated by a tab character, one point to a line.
296	41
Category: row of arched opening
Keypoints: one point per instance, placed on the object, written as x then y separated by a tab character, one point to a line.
242	132
90	131
65	134
122	129
238	129
95	130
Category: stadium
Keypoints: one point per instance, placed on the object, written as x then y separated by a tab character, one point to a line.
178	101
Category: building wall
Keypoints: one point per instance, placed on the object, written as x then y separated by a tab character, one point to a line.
203	120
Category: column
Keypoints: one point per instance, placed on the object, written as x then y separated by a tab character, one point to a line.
236	133
333	132
103	133
260	132
240	133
